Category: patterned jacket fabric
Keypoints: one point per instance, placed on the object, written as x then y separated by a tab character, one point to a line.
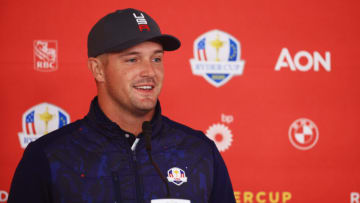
91	161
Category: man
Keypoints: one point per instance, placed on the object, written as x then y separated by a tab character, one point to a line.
103	157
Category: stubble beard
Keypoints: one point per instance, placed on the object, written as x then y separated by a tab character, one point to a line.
138	105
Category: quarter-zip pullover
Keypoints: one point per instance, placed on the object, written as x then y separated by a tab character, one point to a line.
92	161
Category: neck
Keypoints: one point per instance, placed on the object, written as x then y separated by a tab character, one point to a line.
124	118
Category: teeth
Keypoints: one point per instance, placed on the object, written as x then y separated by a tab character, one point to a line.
144	87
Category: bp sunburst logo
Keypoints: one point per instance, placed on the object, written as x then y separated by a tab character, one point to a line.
221	135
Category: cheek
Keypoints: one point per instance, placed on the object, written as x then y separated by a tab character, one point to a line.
160	73
116	79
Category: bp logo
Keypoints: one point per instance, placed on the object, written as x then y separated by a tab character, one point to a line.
303	134
40	120
217	57
221	135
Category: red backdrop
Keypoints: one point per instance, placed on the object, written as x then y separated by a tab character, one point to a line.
300	61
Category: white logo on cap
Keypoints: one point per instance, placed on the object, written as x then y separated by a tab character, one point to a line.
141	21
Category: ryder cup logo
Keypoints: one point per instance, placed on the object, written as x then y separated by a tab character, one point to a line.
217	57
303	134
177	176
45	55
40	120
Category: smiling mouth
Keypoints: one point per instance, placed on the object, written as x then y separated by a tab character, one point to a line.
144	87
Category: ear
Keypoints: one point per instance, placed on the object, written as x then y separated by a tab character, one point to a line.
96	68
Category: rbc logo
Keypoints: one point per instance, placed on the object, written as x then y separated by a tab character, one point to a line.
217	57
45	55
40	120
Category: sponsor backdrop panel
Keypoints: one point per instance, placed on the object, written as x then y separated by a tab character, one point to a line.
274	84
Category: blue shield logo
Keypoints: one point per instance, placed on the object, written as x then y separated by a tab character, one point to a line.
217	57
40	120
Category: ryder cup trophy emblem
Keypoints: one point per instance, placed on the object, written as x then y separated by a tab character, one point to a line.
217	57
40	120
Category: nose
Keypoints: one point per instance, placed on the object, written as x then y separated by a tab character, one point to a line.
148	69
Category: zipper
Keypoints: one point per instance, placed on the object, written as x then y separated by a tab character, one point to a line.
117	190
139	193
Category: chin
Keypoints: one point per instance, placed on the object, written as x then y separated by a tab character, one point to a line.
146	105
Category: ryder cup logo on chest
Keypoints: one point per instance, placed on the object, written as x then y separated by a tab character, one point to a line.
217	57
40	120
177	176
303	134
45	55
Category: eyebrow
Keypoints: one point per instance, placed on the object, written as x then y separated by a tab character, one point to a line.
137	53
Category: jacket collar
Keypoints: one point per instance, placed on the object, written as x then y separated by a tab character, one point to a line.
97	118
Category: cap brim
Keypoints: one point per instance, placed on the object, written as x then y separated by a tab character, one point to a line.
168	42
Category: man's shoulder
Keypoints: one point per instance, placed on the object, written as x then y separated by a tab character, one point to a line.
56	135
35	151
186	131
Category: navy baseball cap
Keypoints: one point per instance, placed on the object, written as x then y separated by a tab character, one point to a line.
125	28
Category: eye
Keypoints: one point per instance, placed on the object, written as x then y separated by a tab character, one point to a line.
132	60
157	59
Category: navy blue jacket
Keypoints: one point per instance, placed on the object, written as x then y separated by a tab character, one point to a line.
91	161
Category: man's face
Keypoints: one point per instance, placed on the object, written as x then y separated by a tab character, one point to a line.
133	78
